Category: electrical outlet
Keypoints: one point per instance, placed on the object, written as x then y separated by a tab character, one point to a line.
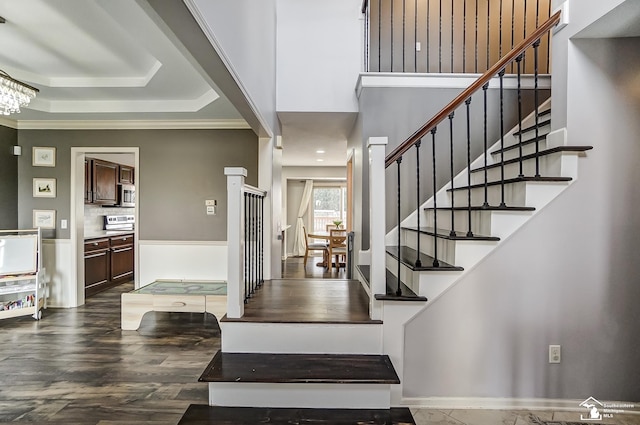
555	354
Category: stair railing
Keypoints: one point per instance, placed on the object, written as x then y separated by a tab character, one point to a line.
448	36
245	239
449	113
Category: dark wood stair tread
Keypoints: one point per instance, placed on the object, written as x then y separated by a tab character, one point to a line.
300	368
533	127
446	234
408	257
523	143
541	153
391	287
200	414
514	180
483	208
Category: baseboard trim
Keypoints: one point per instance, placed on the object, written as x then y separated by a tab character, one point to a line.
496	403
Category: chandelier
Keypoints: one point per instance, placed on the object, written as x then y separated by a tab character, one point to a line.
14	94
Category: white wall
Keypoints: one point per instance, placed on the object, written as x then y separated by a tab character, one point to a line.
318	55
245	30
569	277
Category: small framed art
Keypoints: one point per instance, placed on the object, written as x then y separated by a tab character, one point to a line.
44	188
45	219
43	157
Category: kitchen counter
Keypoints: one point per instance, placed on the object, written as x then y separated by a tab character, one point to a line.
107	233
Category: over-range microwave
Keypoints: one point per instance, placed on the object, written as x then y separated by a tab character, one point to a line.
126	195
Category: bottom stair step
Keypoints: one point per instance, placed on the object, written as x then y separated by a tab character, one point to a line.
198	414
300	368
391	287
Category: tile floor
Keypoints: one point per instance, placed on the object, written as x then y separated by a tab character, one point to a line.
511	417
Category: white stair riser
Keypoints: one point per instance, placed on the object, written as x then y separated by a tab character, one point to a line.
318	396
455	252
549	165
480	220
514	195
340	338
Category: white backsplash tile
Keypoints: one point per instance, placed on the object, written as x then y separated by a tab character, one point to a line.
94	216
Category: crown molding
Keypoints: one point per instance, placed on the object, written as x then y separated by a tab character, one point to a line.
231	124
8	122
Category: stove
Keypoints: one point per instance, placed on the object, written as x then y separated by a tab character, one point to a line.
119	222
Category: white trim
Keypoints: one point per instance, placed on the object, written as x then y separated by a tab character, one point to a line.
209	33
496	403
443	81
202	243
9	122
230	124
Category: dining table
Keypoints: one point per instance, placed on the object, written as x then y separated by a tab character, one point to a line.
324	236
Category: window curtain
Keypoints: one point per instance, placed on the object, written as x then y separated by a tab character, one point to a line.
299	245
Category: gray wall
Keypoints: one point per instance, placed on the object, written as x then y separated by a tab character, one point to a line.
8	179
398	112
179	170
569	277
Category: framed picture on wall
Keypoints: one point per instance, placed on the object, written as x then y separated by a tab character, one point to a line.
44	219
43	157
44	188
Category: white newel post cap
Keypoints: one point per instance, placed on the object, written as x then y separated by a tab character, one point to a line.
377	141
235	171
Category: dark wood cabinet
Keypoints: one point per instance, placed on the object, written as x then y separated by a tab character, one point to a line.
122	258
108	262
88	185
96	265
126	174
105	182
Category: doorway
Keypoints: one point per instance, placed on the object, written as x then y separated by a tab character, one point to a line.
77	216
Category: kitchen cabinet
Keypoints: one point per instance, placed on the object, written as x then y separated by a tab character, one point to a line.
88	185
126	174
121	258
105	182
108	262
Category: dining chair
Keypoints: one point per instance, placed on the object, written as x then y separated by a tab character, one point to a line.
328	227
337	246
315	246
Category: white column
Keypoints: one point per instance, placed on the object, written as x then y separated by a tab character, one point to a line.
377	225
235	241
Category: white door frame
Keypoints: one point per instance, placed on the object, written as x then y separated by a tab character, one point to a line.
76	217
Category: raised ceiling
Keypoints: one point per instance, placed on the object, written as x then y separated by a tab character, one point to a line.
103	60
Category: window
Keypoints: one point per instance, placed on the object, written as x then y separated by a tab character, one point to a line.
329	205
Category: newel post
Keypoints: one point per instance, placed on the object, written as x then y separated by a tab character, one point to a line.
377	222
235	241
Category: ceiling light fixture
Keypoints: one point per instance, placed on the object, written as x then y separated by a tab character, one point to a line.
14	94
320	160
319	151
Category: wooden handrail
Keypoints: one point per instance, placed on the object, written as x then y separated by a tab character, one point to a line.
475	86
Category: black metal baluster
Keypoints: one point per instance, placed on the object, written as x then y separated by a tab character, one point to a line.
262	245
453	227
436	263
548	39
404	13
440	38
518	61
513	25
501	74
536	101
488	35
379	35
399	289
261	241
500	33
418	213
486	153
367	39
524	34
476	41
428	49
468	104
251	246
392	35
246	245
452	14
464	36
254	231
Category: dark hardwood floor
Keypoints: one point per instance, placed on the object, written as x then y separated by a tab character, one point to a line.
76	366
293	268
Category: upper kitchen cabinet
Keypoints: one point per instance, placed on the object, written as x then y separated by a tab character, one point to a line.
126	174
104	182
